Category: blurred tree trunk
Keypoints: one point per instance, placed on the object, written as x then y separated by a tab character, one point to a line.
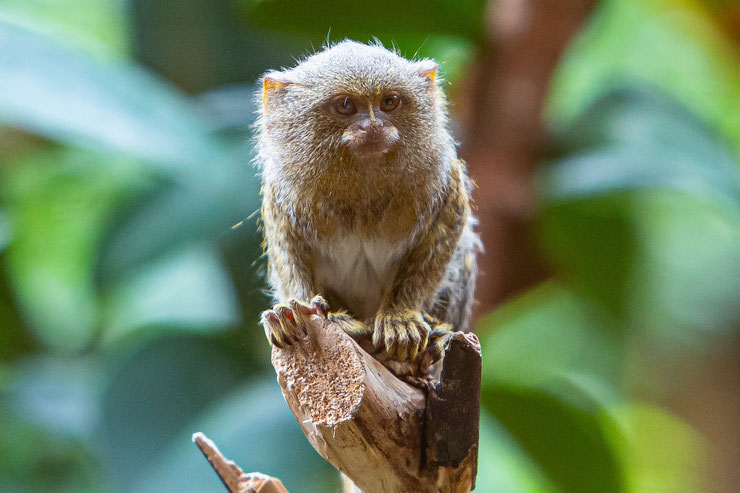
502	115
727	14
707	396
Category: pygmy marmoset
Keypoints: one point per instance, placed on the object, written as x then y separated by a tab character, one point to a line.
365	204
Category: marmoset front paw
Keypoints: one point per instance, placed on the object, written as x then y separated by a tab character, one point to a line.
401	334
423	371
285	324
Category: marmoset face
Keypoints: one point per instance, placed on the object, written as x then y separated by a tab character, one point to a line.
368	121
354	101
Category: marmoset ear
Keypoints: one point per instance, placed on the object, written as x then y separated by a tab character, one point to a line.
427	69
273	81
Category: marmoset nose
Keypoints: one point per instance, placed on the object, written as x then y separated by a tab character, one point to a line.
369	126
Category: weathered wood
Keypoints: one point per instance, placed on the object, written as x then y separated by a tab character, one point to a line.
376	429
453	409
234	479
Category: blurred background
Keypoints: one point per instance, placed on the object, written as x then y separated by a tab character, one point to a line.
604	137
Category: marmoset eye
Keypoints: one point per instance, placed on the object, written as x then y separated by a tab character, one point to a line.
344	105
390	102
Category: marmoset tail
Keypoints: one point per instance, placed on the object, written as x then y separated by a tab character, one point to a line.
365	204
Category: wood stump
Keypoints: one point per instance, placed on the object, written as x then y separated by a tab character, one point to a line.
383	434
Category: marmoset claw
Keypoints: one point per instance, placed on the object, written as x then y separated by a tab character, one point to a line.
438	339
287	323
403	335
320	306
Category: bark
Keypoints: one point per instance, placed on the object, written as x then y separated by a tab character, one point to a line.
383	434
231	475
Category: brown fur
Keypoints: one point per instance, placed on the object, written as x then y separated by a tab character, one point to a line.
412	200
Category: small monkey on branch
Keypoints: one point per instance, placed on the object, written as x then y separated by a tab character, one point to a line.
365	205
369	236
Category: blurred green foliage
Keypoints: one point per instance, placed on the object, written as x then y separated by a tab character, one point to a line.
128	303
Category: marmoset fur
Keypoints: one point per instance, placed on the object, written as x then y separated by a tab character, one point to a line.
365	205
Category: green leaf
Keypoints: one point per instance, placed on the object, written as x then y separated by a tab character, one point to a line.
545	335
636	137
548	358
178	214
15	339
688	281
561	432
59	395
5	230
154	391
31	459
186	291
365	18
93	25
69	96
503	465
658	451
49	409
644	216
59	202
593	246
672	44
253	427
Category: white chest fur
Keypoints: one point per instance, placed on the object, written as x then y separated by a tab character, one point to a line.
358	271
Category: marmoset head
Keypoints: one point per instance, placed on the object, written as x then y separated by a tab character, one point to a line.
352	103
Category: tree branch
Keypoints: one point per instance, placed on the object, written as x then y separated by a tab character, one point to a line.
385	435
234	479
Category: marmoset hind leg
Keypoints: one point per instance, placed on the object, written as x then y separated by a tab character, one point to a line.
454	300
